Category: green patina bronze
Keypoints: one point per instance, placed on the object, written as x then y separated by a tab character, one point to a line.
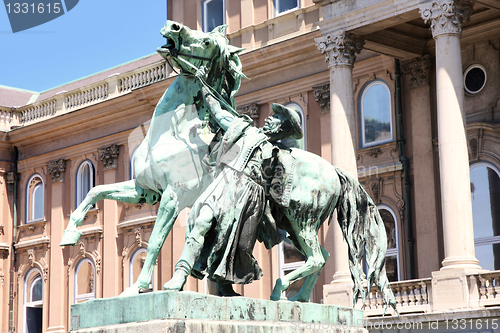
242	183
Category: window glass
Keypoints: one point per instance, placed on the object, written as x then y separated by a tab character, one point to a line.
485	193
376	114
84	281
136	263
213	14
293	143
85	181
36	290
282	6
34	199
392	254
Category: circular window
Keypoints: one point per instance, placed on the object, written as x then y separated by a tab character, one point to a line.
474	79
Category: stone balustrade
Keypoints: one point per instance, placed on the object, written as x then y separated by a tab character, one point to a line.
8	118
37	111
67	101
412	296
415	296
488	288
143	77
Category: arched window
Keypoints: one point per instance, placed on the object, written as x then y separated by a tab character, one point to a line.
33	301
132	170
485	195
84	281
300	143
392	265
136	263
283	6
375	109
85	180
34	199
213	13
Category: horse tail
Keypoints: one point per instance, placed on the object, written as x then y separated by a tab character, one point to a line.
364	231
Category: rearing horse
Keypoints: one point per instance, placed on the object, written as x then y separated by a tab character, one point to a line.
169	163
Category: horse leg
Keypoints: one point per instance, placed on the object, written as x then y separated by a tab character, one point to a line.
304	294
165	219
127	192
192	249
314	262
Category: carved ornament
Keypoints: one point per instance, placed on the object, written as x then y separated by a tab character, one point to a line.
56	170
446	16
340	49
109	157
417	70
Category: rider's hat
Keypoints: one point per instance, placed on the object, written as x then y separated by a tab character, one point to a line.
292	116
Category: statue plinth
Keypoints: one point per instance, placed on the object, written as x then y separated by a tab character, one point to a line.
170	311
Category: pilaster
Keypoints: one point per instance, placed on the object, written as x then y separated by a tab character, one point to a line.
57	298
110	261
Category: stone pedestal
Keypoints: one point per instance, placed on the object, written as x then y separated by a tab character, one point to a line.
169	311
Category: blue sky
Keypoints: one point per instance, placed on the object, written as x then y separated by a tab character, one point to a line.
93	36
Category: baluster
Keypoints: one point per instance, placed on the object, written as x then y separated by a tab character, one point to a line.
411	295
404	296
423	290
497	287
417	291
490	291
483	288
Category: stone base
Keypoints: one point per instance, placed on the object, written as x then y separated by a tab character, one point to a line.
169	311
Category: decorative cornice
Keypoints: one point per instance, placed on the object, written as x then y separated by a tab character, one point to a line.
56	170
322	95
341	48
446	16
418	71
251	110
109	157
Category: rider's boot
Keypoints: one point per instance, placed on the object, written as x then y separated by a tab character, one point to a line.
190	253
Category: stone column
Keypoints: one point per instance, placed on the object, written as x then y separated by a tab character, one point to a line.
57	298
446	18
450	289
339	49
417	70
110	263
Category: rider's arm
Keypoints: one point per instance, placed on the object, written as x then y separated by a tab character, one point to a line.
221	116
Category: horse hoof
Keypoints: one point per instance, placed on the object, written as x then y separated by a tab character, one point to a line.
130	291
70	237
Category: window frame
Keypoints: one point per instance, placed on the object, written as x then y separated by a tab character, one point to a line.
296	106
490	240
78	195
83	297
131	267
31	277
277	11
204	14
131	164
366	88
394	251
30	204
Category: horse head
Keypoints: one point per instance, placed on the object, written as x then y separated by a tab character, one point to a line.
191	50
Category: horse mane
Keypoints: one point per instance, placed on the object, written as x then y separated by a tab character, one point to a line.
226	70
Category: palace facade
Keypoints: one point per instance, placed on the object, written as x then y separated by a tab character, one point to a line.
403	94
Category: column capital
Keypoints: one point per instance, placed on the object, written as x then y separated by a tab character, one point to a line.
446	16
418	71
340	48
109	157
56	170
